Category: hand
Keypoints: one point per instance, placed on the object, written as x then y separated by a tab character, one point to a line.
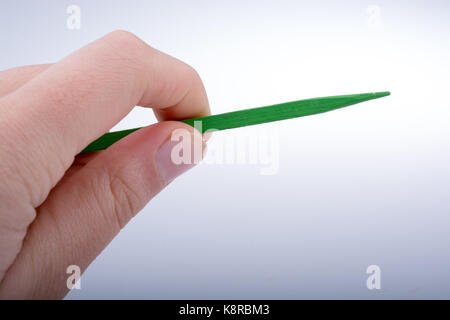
58	209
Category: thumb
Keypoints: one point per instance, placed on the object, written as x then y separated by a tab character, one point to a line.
88	208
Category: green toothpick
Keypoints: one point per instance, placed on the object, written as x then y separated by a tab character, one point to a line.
253	116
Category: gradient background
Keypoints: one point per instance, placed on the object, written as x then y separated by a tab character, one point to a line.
364	185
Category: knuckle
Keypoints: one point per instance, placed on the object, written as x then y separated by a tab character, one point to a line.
124	41
126	56
123	34
125	199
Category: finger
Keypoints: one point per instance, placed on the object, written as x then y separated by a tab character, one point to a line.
13	79
76	100
83	213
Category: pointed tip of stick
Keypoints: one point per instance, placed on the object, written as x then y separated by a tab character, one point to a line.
381	94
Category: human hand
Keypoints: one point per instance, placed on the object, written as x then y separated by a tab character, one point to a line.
58	209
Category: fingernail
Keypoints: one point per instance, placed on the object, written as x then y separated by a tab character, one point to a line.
176	157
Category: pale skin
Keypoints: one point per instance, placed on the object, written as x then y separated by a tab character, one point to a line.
59	209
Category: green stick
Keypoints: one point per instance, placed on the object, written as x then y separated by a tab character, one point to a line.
254	116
